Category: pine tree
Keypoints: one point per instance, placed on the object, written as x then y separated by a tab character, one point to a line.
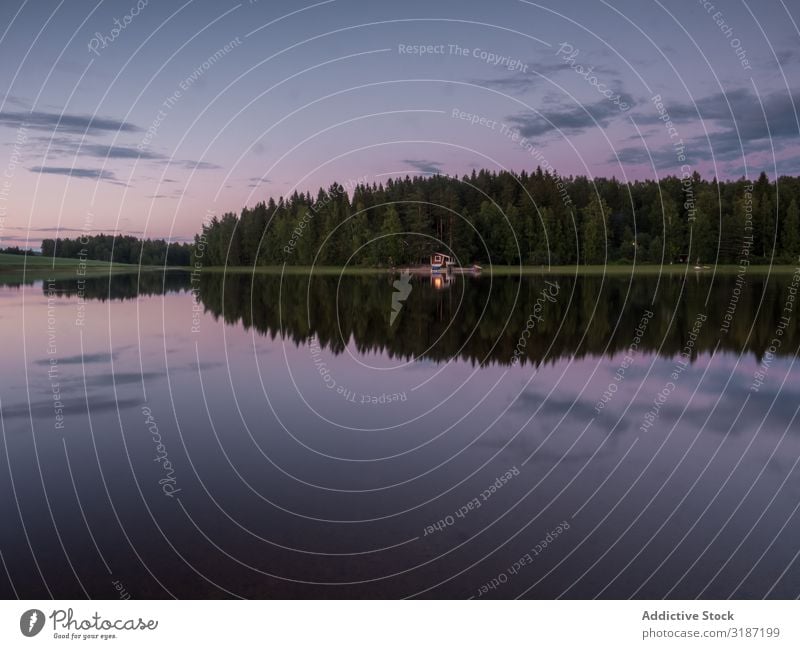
668	227
392	243
791	233
595	217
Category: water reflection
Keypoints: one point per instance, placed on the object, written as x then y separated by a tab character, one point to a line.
319	448
480	319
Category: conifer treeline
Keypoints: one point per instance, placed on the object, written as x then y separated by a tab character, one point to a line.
120	249
502	218
509	218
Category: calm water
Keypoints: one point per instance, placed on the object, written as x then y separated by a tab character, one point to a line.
500	438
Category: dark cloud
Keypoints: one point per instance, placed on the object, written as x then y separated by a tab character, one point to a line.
568	119
193	165
55	122
740	117
47	229
520	82
96	174
256	181
425	166
789	166
175	193
113	151
10	239
786	167
737	127
12	100
785	57
74	146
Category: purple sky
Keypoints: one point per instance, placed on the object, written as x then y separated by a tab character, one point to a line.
204	107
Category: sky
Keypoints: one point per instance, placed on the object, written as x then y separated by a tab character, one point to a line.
146	118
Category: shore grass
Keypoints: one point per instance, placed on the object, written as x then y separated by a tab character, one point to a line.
36	266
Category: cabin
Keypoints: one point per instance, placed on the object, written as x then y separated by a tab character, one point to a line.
440	261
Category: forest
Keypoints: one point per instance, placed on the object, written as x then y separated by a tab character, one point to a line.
491	218
123	249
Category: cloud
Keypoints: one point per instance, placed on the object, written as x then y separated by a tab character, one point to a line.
741	128
56	122
73	146
786	167
76	172
175	193
113	151
12	100
193	165
568	119
744	113
785	57
425	166
789	166
520	82
47	229
11	239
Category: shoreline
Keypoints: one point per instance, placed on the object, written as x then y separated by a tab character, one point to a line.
509	271
61	267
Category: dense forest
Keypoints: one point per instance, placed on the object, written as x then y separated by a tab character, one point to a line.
120	250
499	218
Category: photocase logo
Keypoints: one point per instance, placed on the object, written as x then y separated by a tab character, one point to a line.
31	622
402	289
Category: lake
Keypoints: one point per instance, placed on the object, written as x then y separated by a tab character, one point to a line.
176	435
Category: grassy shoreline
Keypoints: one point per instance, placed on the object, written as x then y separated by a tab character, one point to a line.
509	271
37	267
